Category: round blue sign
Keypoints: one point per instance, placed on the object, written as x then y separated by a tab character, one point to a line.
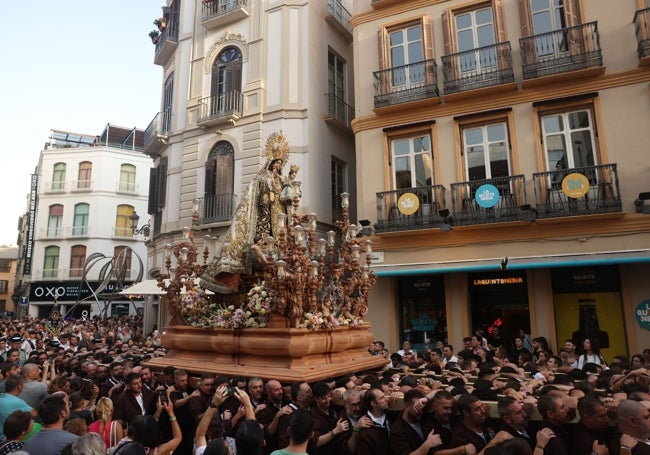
487	196
642	314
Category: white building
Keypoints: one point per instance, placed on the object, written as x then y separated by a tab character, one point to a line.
77	235
233	73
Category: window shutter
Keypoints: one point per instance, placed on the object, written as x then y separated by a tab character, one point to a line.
153	190
427	42
526	22
224	180
572	17
499	21
162	184
449	69
384	63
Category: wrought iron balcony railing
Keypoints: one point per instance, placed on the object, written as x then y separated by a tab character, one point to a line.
341	15
561	51
431	200
219	207
159	128
338	109
642	29
217	9
406	83
470	204
225	106
600	194
478	68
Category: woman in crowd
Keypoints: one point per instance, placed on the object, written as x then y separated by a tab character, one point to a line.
110	430
591	353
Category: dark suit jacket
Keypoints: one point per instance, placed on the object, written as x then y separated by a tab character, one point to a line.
127	407
404	439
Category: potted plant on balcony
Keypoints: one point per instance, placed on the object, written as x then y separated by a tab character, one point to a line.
161	23
154	35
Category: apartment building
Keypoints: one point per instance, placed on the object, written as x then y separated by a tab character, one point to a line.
8	261
77	245
235	71
502	159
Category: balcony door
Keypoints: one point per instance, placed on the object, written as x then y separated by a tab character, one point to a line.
406	48
412	162
485	148
474	30
226	81
219	181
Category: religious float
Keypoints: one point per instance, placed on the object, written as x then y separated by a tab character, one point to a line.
278	300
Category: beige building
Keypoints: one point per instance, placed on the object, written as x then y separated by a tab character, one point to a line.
234	72
502	158
8	261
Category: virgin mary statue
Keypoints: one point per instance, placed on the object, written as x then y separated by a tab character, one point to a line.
256	216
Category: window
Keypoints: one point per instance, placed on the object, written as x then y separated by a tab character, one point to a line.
77	261
58	177
467	29
157	187
85	174
226	81
51	262
122	255
167	104
412	162
80	222
123	221
4	286
219	182
545	16
336	86
485	148
568	139
5	265
338	187
55	221
127	178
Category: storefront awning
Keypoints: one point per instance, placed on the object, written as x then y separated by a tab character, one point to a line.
515	263
150	287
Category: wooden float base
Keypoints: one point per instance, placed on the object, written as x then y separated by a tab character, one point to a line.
285	354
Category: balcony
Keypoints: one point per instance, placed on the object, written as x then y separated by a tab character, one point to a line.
218	13
127	187
52	232
80	231
477	202
393	206
157	133
486	66
407	83
339	18
225	108
123	233
597	191
562	51
79	186
216	208
167	43
54	187
338	111
642	29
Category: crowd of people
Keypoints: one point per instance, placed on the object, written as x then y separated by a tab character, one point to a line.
86	389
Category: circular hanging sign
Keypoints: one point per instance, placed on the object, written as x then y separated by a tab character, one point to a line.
575	185
487	196
642	314
408	204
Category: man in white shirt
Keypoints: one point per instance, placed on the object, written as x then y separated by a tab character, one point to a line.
448	354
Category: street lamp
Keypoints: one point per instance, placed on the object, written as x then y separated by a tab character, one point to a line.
134	218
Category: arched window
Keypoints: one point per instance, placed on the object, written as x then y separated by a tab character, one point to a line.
80	222
85	175
51	262
77	260
219	181
226	81
58	177
123	221
55	221
123	255
127	178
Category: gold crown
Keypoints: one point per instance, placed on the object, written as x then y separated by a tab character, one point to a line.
294	168
277	147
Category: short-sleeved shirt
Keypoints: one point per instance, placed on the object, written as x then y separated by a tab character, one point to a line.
8	404
49	442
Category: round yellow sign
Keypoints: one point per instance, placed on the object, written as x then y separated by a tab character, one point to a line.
408	204
575	185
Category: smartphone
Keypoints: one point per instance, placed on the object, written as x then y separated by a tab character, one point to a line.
163	396
230	391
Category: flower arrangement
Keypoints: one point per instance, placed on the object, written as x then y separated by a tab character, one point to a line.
154	35
161	23
320	321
